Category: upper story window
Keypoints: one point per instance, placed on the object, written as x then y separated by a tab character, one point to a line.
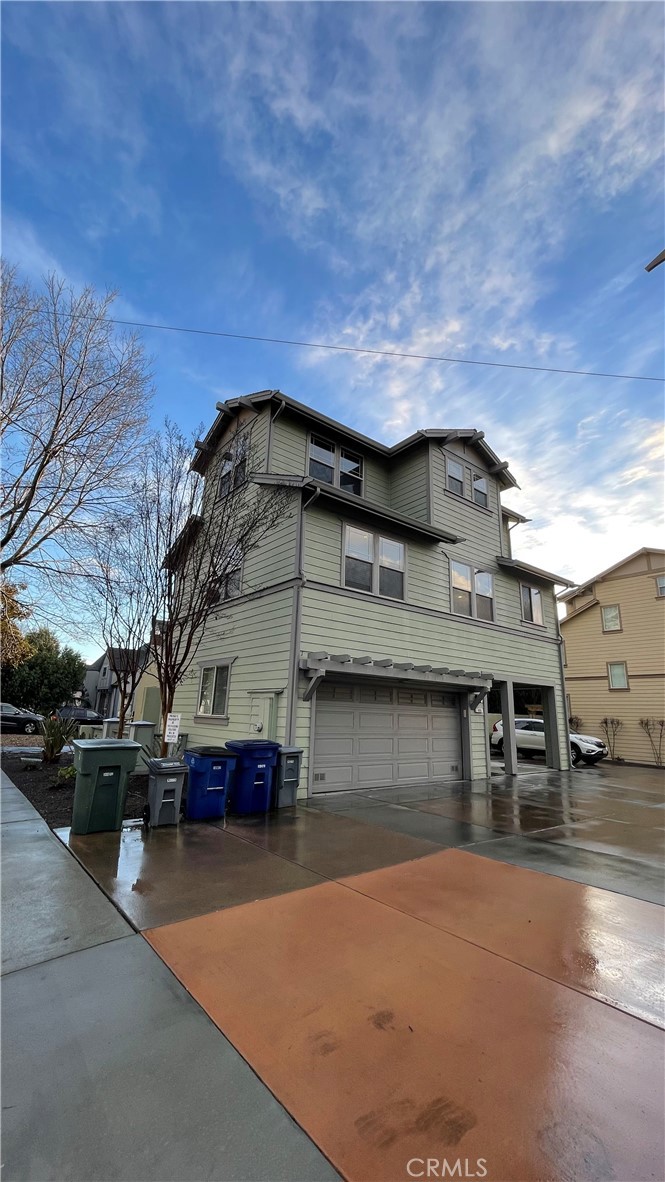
617	675
532	604
455	474
233	468
214	690
660	586
373	563
480	494
335	465
611	617
472	591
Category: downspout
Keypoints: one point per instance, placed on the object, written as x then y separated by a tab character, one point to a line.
296	621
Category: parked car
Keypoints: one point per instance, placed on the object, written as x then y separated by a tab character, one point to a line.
530	736
19	722
77	714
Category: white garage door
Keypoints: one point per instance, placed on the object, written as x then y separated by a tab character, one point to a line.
369	736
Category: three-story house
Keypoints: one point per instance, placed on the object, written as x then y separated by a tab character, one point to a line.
369	626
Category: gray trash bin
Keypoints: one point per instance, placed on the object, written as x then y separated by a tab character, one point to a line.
165	780
288	776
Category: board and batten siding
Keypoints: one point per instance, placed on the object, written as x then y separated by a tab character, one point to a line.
256	632
289	454
409	481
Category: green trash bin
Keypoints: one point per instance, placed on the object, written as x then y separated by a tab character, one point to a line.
103	767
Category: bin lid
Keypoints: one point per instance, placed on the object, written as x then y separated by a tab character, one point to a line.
209	752
265	745
165	766
291	751
105	744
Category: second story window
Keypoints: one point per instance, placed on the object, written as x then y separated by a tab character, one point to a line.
373	563
472	591
532	604
233	468
335	465
455	474
660	586
611	617
480	494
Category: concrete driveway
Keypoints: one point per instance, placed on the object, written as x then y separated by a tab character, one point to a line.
463	974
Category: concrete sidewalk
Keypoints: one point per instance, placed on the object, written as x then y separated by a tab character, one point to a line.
109	1068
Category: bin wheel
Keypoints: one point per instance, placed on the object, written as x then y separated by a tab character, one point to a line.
146	816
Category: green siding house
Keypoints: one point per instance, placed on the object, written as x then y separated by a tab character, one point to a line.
369	626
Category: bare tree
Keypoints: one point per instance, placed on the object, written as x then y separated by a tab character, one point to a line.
654	729
119	603
75	394
194	540
610	728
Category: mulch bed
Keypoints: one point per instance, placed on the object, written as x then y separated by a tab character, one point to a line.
54	801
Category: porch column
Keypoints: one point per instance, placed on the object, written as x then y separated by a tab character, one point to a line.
552	737
508	719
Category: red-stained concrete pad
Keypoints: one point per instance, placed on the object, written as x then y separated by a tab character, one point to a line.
391	1042
607	945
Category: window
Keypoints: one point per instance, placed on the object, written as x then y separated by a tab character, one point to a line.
227	586
455	477
472	591
233	468
480	491
532	604
333	465
611	617
373	563
213	690
660	586
617	675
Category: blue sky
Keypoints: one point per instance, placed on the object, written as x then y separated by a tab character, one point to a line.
479	180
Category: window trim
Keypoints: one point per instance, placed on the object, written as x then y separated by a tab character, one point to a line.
474	472
532	623
376	536
617	689
659	594
222	663
475	476
475	570
460	463
338	448
237	454
603	607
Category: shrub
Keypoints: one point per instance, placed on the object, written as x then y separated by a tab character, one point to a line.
610	728
654	729
57	733
66	775
575	723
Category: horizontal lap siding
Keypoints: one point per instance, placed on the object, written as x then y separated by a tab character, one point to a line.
289	451
274	560
479	769
256	633
591	701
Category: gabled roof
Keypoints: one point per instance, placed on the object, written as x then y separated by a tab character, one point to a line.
228	410
579	587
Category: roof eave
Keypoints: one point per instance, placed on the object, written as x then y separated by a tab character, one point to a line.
534	571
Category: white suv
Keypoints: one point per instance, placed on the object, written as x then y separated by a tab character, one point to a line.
530	737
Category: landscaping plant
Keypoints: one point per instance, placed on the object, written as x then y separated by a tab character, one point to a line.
610	728
57	733
575	723
654	729
66	775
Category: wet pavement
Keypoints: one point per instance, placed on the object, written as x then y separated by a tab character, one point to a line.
451	971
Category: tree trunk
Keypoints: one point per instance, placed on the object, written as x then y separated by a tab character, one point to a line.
121	718
166	710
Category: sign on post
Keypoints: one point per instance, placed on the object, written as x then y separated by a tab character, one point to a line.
172	728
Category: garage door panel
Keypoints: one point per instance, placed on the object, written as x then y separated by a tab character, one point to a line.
381	745
372	736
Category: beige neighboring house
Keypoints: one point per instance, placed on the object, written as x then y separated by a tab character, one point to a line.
614	646
147	701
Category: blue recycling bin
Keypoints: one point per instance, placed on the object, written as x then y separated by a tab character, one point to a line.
255	774
211	773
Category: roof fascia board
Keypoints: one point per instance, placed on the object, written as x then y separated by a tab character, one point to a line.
534	571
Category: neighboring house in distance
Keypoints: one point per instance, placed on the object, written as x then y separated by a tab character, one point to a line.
91	681
147	704
369	626
614	637
107	700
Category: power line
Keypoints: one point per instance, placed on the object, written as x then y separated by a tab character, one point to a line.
239	336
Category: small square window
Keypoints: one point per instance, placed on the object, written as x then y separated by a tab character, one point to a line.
611	617
455	477
660	586
617	674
